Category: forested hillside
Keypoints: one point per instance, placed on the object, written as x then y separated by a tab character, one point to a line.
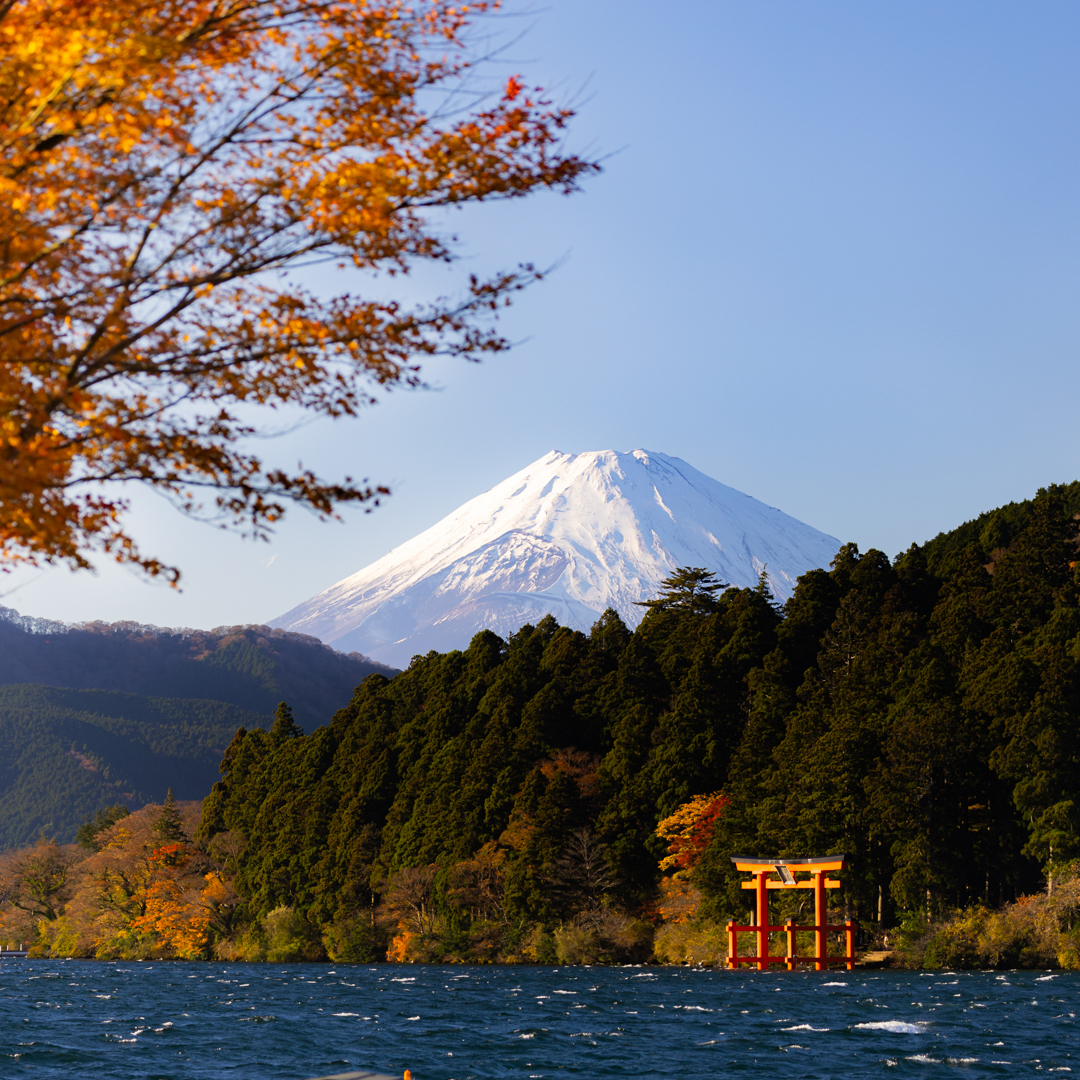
919	714
67	754
253	667
128	711
577	797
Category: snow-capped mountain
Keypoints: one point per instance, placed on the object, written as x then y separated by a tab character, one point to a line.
571	535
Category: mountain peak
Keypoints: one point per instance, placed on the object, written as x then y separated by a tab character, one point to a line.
569	535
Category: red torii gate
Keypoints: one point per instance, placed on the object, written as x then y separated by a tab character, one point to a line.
785	869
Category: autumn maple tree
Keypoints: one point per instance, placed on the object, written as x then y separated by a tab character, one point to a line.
689	831
164	165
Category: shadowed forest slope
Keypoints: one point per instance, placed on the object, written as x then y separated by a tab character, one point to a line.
98	714
68	753
253	667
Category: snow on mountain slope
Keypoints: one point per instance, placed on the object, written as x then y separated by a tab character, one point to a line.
572	534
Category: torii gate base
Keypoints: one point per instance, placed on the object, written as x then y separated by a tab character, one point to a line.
785	869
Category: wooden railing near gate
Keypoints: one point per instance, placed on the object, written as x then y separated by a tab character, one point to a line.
785	871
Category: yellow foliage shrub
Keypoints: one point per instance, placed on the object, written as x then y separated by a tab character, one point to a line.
679	901
691	943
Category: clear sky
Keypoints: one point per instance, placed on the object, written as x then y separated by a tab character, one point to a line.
833	261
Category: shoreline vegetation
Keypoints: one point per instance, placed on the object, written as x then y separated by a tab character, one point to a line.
140	889
565	798
1039	931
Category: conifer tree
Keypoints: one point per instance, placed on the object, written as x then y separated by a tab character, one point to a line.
169	826
689	589
764	588
285	725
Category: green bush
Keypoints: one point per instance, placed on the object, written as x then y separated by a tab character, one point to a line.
290	938
354	939
958	943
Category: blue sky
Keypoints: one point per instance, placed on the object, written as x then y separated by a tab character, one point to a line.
833	261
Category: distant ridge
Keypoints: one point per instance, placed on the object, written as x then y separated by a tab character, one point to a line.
570	535
253	667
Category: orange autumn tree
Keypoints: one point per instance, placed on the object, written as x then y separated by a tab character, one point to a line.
688	832
177	907
148	892
164	165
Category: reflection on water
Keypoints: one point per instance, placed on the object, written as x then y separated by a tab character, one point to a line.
266	1022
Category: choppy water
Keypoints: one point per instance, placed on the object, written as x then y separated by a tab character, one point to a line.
263	1022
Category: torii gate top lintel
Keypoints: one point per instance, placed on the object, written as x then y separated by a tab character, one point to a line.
818	863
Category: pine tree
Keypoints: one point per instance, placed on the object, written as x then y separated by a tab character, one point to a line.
169	826
764	589
689	589
285	725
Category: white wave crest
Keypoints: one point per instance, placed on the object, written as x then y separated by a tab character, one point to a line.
900	1026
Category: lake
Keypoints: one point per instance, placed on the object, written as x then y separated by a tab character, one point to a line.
178	1021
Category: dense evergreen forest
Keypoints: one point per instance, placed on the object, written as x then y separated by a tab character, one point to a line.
577	797
919	714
